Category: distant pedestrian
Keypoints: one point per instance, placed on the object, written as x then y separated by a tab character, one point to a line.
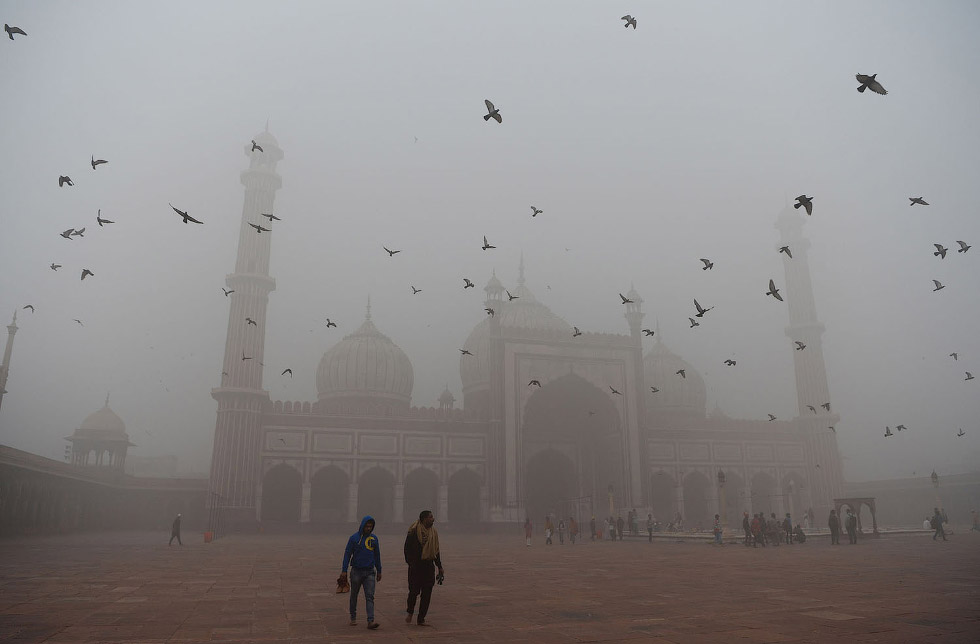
363	555
549	529
806	520
788	529
851	525
611	526
650	528
423	557
756	528
175	532
927	524
528	531
799	534
976	521
561	532
572	529
717	530
592	532
620	525
937	524
747	528
834	524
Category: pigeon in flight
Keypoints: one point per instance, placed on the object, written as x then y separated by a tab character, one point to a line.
771	417
961	432
654	390
826	406
256	146
391	253
708	264
900	427
184	214
625	299
869	82
614	391
730	362
68	233
832	428
939	286
467	284
226	291
62	180
535	211
805	202
940	251
101	221
259	229
647	332
694	323
250	321
271	217
785	249
534	383
918	200
465	352
575	332
963	246
330	324
86	272
489	311
774	291
812	408
78	233
244	357
416	291
511	298
888	431
682	373
493	112
285	371
79	321
486	245
29	306
630	20
13	30
97	162
799	345
954	356
969	376
701	311
55	267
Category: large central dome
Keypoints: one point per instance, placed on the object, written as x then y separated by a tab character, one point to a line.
685	397
366	368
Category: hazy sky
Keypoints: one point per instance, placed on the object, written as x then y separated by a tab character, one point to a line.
646	149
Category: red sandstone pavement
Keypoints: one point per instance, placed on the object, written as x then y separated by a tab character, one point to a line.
262	588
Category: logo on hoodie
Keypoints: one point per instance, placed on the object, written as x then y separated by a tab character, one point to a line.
369	542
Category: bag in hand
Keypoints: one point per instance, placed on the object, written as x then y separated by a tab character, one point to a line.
343	585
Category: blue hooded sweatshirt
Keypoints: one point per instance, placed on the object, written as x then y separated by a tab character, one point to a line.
363	552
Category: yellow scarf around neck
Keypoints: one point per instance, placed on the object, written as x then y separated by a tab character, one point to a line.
429	539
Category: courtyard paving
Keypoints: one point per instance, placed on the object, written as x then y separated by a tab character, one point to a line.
132	587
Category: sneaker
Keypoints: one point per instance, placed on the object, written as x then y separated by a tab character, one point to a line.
373	625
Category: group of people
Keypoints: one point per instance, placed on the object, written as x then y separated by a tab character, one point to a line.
767	531
563	529
363	557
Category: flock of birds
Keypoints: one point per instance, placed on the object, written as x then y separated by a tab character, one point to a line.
866	82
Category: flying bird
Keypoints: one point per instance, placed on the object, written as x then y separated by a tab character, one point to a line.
963	246
682	373
771	418
68	233
730	362
647	332
918	200
465	352
785	249
184	214
493	112
285	371
701	311
832	428
826	406
486	245
940	251
575	332
812	408
625	299
511	298
614	391
939	286
97	162
467	284
900	427
869	82
250	321
694	323
100	220
391	253
55	267
534	383
774	291
954	356
805	202
799	345
226	291
259	229
330	324
79	233
244	357
888	432
630	20
416	291
29	306
654	390
961	432
62	180
86	272
79	321
708	264
489	311
13	30
271	217
969	376
535	211
256	146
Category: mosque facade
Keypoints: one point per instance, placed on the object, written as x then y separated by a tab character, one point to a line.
593	438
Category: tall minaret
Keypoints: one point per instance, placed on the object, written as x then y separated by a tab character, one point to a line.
5	367
826	477
235	473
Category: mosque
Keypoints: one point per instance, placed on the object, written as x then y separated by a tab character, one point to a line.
592	439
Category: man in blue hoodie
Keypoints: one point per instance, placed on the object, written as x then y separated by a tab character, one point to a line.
363	554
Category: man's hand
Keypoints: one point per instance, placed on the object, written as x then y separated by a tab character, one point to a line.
343	575
379	576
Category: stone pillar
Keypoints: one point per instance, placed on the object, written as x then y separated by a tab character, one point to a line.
443	504
680	500
399	503
352	504
304	508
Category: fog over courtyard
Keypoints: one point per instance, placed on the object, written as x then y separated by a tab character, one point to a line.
646	150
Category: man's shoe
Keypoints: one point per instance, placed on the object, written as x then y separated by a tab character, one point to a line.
353	622
408	618
373	625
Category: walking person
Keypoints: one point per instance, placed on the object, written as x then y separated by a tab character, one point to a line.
976	521
528	531
572	529
834	524
747	528
756	528
635	523
788	529
620	525
363	556
561	532
549	529
422	557
937	525
851	524
650	528
717	530
175	532
592	531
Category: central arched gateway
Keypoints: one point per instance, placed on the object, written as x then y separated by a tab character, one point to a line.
551	481
282	489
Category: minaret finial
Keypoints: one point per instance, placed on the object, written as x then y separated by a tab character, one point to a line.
520	271
15	317
267	126
367	316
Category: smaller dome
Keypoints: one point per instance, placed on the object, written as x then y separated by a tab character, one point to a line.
678	396
446	397
102	424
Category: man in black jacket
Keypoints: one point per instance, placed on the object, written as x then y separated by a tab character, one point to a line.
175	532
422	557
834	524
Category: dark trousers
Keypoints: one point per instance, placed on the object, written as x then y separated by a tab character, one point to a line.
416	587
748	536
834	537
852	536
940	532
176	535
